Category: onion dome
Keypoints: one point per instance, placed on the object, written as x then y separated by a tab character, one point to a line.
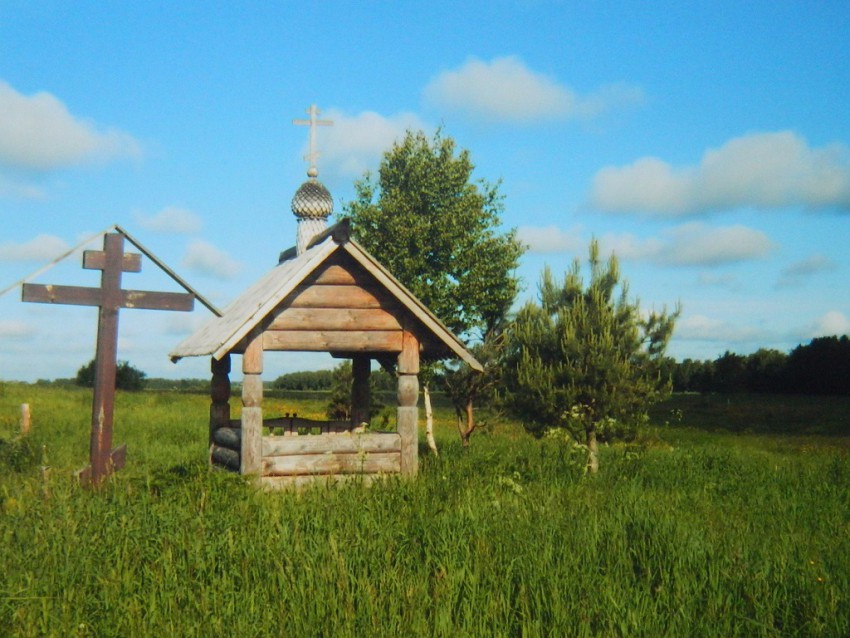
312	200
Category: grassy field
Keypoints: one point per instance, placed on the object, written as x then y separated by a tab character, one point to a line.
731	520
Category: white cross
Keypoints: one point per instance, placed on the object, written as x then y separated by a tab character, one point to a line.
311	156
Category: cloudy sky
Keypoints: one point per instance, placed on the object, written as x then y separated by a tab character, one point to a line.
706	144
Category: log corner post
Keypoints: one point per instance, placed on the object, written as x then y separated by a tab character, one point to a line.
408	396
219	394
252	405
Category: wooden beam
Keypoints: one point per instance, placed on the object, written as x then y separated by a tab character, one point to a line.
96	260
335	275
81	296
301	464
331	341
367	442
146	300
345	296
334	319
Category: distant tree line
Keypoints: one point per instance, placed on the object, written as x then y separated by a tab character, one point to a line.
821	367
325	380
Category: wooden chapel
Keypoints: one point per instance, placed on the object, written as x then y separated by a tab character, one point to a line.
327	294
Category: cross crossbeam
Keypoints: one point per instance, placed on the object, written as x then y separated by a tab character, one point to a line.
313	122
109	298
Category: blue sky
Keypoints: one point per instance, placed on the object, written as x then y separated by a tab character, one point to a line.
706	144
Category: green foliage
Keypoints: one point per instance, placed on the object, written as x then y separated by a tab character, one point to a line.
126	376
821	367
307	380
339	405
438	232
718	535
585	359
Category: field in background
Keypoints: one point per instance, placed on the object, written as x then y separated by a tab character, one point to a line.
731	520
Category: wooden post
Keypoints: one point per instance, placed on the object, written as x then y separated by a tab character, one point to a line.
360	400
219	394
26	418
408	396
252	405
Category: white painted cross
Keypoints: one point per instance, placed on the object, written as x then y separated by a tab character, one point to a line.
313	122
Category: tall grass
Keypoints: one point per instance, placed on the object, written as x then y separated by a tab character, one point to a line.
507	538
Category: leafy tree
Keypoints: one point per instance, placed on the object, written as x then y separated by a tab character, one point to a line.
584	358
126	376
465	386
438	232
821	367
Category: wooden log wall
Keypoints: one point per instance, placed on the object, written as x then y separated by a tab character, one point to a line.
367	453
250	461
342	309
221	454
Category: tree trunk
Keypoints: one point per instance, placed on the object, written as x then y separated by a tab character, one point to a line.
429	420
466	432
592	450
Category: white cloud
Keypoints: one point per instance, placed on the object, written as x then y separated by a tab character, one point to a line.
205	259
549	239
832	323
38	133
698	244
16	329
171	220
505	89
41	248
356	143
691	244
702	328
761	170
799	272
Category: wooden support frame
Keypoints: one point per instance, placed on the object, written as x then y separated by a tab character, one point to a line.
408	396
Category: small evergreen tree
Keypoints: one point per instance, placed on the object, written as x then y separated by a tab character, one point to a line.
585	359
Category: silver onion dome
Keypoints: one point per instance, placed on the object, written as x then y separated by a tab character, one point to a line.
312	200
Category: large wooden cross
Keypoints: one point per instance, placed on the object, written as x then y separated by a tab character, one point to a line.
112	261
313	122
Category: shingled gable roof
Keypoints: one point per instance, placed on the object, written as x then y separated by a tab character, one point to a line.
221	335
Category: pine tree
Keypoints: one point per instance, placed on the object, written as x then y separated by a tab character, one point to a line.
584	358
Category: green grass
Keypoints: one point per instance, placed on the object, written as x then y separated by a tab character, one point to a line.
694	531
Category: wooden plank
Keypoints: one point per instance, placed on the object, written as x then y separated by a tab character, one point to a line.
345	296
73	295
335	319
305	464
96	260
81	296
333	340
335	275
147	300
367	442
252	437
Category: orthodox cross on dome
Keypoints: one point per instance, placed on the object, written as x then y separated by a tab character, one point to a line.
313	122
